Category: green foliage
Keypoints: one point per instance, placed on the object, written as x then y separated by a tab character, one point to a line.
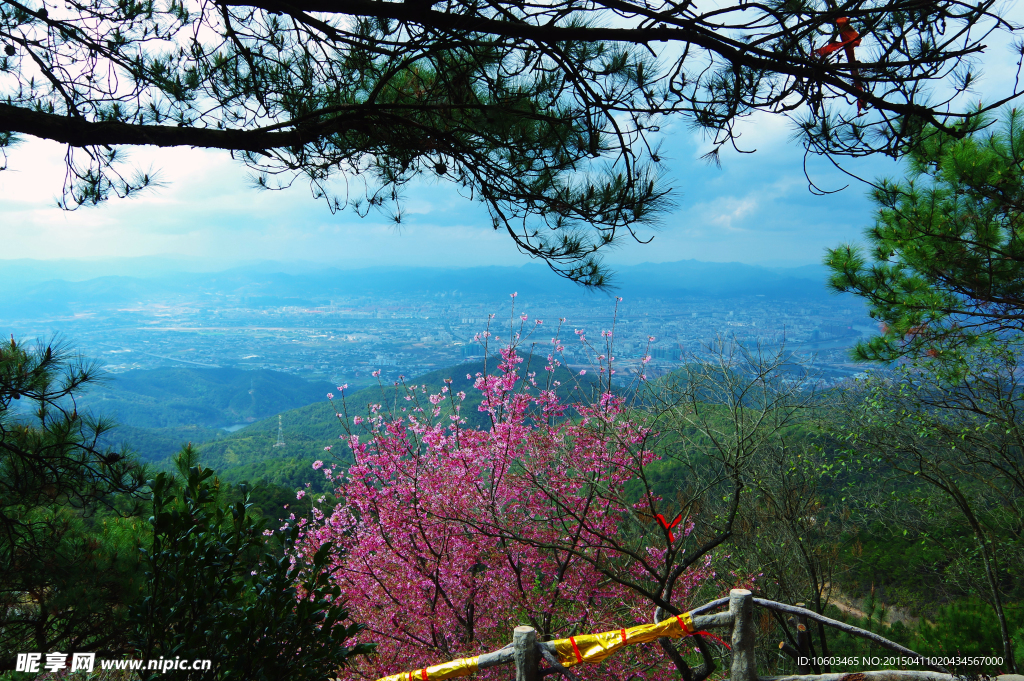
213	592
166	397
967	628
65	580
159	410
945	268
961	628
159	445
905	567
250	454
954	438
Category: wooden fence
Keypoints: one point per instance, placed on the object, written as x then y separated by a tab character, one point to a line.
527	653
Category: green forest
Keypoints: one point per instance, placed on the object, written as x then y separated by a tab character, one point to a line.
250	455
159	409
831	515
893	503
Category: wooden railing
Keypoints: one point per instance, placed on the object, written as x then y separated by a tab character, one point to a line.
527	653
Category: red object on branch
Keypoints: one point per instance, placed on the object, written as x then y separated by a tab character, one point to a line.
711	636
664	523
849	39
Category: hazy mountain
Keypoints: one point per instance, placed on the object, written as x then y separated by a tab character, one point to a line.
273	284
27	271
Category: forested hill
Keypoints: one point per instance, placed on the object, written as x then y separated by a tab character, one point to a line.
250	454
160	409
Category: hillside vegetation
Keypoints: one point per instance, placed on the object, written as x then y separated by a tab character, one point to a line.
159	410
250	454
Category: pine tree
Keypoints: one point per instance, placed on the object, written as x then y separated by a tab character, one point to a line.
215	592
546	112
68	550
944	268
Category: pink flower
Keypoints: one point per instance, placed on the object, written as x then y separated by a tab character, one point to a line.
330	396
376	373
301	493
583	372
405	536
357	420
515	294
318	464
327	448
343	387
650	338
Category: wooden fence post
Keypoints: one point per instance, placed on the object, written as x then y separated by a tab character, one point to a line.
741	607
524	650
803	642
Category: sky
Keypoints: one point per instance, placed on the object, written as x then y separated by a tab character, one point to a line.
755	209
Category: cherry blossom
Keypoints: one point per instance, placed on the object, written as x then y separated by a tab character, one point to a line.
450	536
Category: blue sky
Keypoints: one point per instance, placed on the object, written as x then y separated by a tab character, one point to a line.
755	209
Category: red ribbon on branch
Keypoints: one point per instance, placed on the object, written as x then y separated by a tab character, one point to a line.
711	636
664	523
849	39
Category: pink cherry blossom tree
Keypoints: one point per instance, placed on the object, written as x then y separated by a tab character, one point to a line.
450	536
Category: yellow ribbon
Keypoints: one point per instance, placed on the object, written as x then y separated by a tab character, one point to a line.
596	647
570	651
439	672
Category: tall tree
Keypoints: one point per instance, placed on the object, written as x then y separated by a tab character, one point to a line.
945	265
564	516
214	592
63	585
545	111
961	436
539	532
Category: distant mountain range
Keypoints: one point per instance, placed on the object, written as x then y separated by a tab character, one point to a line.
34	289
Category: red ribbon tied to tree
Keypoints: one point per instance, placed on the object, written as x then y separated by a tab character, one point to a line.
849	39
664	523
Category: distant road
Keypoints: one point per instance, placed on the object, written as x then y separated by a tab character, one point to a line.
173	359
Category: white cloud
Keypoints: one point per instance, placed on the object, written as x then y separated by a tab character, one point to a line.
756	207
